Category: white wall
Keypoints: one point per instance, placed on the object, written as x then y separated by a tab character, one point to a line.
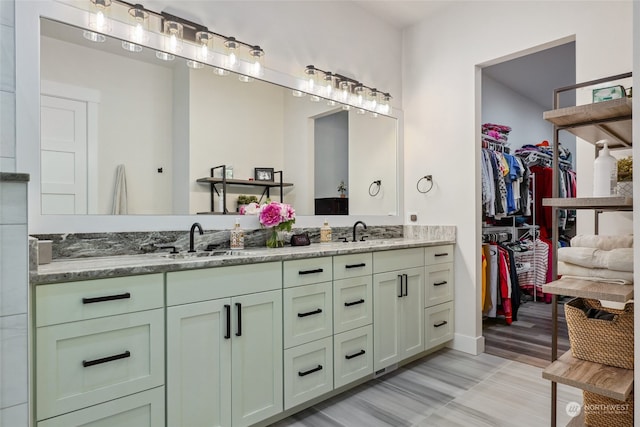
441	100
145	119
7	87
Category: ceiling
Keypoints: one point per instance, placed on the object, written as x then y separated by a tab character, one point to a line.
401	13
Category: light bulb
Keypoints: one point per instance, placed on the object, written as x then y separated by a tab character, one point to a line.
359	94
311	75
230	50
328	84
98	18
256	55
140	21
345	91
204	39
173	41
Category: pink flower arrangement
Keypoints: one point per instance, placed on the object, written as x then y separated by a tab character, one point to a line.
281	216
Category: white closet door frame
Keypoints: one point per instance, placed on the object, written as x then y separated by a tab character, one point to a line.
92	98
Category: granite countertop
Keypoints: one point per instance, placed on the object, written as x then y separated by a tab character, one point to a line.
128	265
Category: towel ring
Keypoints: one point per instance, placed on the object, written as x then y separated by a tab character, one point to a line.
428	178
378	183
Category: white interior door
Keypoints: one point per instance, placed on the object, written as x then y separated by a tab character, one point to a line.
63	155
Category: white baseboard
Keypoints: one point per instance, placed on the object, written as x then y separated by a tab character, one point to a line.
467	344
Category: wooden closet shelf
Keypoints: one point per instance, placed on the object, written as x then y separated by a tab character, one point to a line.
601	120
607	203
608	381
589	289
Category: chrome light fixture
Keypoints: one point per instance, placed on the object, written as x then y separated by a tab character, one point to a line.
139	33
337	88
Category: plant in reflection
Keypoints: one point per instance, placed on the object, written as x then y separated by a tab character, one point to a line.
342	188
278	218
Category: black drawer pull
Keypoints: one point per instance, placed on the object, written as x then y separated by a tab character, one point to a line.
406	285
437	325
227	308
87	363
444	282
239	308
106	298
362	264
401	293
351	356
310	313
310	371
349	304
441	254
317	270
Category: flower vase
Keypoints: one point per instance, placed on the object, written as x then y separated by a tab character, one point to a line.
275	239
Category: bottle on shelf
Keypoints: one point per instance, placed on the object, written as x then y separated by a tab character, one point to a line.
605	173
236	237
221	207
325	232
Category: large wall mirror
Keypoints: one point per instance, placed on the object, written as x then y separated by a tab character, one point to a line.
107	113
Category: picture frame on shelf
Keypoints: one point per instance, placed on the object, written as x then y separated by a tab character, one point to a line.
263	174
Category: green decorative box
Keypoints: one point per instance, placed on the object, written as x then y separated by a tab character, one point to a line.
608	93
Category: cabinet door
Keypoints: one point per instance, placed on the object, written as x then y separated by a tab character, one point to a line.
308	313
257	357
411	321
199	364
387	300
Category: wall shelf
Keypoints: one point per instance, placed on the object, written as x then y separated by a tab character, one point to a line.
225	182
608	203
592	122
590	289
604	380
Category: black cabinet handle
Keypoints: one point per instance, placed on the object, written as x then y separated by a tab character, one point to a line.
351	356
310	371
444	282
310	313
317	270
87	363
400	277
406	285
349	304
227	308
362	264
437	325
441	254
106	298
239	308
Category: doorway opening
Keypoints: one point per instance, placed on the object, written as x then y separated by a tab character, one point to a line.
515	94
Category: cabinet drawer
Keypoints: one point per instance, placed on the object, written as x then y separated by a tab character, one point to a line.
308	372
352	303
90	299
353	265
144	409
84	363
308	313
353	355
397	259
438	326
223	282
438	284
307	271
438	254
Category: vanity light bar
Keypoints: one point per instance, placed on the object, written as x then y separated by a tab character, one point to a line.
179	29
338	88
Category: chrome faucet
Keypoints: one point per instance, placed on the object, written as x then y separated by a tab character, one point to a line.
354	228
191	233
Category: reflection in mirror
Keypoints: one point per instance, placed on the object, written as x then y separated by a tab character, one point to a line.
125	133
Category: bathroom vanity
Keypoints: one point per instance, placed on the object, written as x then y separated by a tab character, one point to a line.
236	339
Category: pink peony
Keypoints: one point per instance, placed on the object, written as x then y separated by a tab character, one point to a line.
270	214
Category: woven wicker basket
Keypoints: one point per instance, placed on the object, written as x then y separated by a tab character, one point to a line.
609	342
600	411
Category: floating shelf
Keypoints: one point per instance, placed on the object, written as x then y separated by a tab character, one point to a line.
601	120
608	203
608	381
589	289
270	184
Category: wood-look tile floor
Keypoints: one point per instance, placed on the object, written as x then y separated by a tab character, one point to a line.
446	388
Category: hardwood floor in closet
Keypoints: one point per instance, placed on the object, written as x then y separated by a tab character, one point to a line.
529	339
